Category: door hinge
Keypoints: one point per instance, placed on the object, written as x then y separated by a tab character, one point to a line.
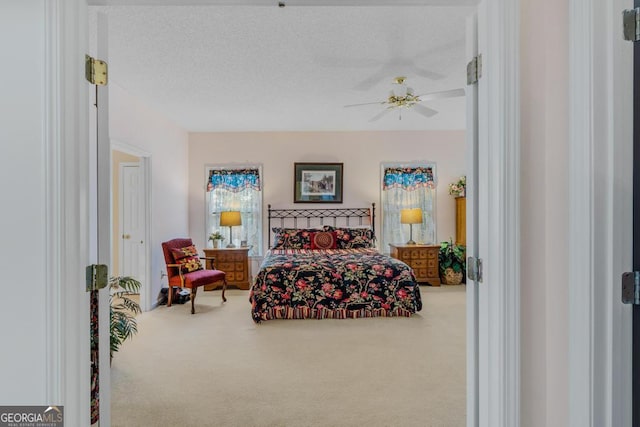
95	71
631	24
474	269
474	70
97	277
631	288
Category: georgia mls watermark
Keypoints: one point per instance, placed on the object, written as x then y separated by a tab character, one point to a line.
31	416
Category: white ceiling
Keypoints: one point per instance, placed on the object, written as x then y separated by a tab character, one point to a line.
265	68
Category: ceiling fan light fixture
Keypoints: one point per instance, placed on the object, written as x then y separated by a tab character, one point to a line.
402	96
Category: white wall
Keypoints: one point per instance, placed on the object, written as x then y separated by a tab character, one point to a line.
23	305
361	152
545	213
136	125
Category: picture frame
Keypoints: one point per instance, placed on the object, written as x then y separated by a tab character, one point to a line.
317	182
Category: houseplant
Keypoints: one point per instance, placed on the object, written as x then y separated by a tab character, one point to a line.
216	238
123	310
451	262
458	188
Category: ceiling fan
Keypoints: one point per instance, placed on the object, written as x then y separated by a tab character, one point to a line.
403	96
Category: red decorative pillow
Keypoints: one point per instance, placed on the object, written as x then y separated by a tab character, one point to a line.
184	252
187	258
323	240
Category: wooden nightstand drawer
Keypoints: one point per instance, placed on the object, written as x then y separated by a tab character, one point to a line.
418	263
234	262
225	266
224	256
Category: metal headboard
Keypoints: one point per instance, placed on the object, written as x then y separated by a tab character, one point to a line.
302	218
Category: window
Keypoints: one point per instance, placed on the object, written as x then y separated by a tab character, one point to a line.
235	189
408	187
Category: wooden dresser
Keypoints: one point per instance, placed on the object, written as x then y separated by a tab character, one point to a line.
461	221
234	262
423	259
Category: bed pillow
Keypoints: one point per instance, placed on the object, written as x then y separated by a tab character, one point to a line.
292	238
323	240
188	259
352	238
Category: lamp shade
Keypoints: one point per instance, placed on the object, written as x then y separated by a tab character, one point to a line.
230	219
411	216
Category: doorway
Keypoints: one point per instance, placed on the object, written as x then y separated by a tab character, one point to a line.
131	220
500	172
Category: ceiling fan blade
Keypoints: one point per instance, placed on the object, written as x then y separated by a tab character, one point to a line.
366	103
380	114
372	80
425	111
452	93
432	75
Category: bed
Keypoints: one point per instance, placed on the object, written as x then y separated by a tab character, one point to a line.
323	264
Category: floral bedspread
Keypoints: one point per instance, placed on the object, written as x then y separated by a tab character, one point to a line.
333	283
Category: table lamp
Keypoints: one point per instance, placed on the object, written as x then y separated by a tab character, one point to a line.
230	219
411	216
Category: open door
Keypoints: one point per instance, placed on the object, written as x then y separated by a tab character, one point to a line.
635	397
100	172
472	222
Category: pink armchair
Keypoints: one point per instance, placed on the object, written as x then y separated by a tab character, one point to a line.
184	269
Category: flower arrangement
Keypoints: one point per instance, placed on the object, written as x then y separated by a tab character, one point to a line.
216	236
458	188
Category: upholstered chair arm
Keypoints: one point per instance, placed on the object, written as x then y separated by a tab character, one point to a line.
179	267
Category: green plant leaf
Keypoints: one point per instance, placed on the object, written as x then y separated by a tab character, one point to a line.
123	324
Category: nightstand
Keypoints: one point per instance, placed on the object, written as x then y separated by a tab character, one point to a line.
423	259
234	262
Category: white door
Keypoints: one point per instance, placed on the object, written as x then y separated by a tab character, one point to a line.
100	169
132	222
472	229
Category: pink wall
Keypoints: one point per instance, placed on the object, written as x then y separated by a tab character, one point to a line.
361	152
545	213
138	126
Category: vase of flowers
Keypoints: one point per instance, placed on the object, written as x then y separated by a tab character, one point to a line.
216	238
458	188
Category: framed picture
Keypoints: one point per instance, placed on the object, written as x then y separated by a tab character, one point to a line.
317	183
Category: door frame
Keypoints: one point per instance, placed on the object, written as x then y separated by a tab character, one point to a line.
145	171
69	235
601	127
591	345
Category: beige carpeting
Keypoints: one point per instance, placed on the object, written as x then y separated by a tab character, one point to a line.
218	368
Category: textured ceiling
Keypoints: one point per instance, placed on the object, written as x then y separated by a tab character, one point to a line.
259	68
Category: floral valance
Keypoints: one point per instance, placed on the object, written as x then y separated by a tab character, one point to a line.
408	178
234	179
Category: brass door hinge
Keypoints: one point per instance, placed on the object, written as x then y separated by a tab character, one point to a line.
474	70
95	71
97	277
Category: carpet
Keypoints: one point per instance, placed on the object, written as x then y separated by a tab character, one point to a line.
218	368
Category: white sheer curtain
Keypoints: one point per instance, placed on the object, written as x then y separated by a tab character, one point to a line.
405	188
236	189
